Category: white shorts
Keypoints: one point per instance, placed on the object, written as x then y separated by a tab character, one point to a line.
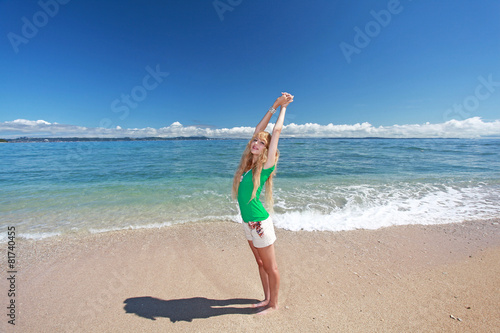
260	237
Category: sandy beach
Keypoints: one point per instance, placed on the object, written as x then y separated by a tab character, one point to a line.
202	278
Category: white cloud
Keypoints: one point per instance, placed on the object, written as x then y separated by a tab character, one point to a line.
468	128
30	122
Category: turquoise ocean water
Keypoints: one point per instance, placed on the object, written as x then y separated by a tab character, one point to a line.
322	184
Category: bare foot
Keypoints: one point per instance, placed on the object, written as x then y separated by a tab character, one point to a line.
267	310
261	304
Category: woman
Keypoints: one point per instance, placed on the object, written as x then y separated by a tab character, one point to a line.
257	167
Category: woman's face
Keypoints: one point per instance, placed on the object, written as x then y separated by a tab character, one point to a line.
257	146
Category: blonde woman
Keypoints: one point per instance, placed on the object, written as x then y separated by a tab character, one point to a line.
256	170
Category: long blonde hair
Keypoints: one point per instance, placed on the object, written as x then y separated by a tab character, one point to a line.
246	164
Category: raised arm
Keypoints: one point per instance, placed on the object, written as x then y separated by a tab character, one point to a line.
261	126
273	146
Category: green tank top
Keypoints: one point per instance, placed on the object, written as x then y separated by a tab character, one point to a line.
252	211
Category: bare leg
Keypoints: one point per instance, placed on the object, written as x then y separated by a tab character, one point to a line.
268	258
263	276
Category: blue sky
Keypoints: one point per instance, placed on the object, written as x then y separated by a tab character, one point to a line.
220	64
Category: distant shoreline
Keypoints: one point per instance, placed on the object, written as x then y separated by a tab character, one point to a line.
78	139
201	138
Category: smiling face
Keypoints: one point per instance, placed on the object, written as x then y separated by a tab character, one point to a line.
259	143
257	146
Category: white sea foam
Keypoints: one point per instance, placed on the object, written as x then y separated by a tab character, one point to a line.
39	236
130	227
322	208
159	225
370	208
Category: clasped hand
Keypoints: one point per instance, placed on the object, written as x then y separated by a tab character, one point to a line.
285	99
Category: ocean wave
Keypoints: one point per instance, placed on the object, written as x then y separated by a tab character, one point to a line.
38	235
374	207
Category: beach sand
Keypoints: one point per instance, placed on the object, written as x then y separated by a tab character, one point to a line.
202	278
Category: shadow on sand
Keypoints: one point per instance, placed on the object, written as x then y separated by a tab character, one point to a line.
186	309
